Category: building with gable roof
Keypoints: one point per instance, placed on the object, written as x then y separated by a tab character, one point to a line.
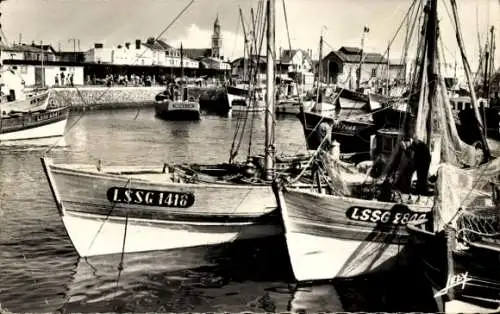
342	67
297	60
28	52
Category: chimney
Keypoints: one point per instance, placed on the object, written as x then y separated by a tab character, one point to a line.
127	45
137	44
98	45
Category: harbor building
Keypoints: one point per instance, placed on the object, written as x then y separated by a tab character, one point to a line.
342	67
295	64
151	61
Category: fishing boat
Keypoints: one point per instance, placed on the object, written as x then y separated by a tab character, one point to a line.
173	103
459	248
242	97
108	210
351	116
26	117
359	227
247	93
33	125
168	107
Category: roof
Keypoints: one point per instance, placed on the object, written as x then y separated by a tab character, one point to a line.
253	58
157	44
197	53
21	48
353	55
46	47
164	44
287	55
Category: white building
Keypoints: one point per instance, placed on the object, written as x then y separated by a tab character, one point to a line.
33	73
99	54
152	52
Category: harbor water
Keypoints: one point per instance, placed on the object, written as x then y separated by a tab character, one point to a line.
41	272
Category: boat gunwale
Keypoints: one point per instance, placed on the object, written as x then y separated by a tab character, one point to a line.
350	199
65	170
143	221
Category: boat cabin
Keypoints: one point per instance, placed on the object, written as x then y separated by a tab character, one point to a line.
464	102
384	142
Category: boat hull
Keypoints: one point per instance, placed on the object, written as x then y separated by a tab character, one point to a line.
290	106
167	110
50	123
326	240
237	99
475	276
353	137
95	208
94	235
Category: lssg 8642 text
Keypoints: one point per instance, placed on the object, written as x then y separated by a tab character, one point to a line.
397	215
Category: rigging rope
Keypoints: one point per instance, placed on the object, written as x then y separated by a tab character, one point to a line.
286	25
407	14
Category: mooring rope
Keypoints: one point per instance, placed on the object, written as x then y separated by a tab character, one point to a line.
108	214
122	255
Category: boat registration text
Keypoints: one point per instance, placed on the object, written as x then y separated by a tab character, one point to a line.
183	106
150	197
397	215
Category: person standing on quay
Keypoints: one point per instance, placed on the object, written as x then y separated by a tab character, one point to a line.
62	78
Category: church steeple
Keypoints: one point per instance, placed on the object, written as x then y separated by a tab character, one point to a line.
216	23
216	39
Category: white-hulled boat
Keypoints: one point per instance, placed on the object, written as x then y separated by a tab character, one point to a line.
242	97
112	210
26	117
32	125
362	229
157	212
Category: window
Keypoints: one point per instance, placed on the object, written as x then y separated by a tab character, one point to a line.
374	72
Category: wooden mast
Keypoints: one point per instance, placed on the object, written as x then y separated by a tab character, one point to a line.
431	34
245	47
270	98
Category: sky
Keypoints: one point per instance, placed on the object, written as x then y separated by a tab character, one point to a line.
114	22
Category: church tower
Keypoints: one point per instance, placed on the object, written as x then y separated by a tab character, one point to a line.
216	39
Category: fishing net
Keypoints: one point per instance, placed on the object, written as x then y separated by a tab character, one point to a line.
465	193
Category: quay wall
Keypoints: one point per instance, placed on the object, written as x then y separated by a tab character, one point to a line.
116	97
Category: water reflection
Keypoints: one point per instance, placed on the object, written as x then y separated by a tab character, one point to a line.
318	298
34	144
216	278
